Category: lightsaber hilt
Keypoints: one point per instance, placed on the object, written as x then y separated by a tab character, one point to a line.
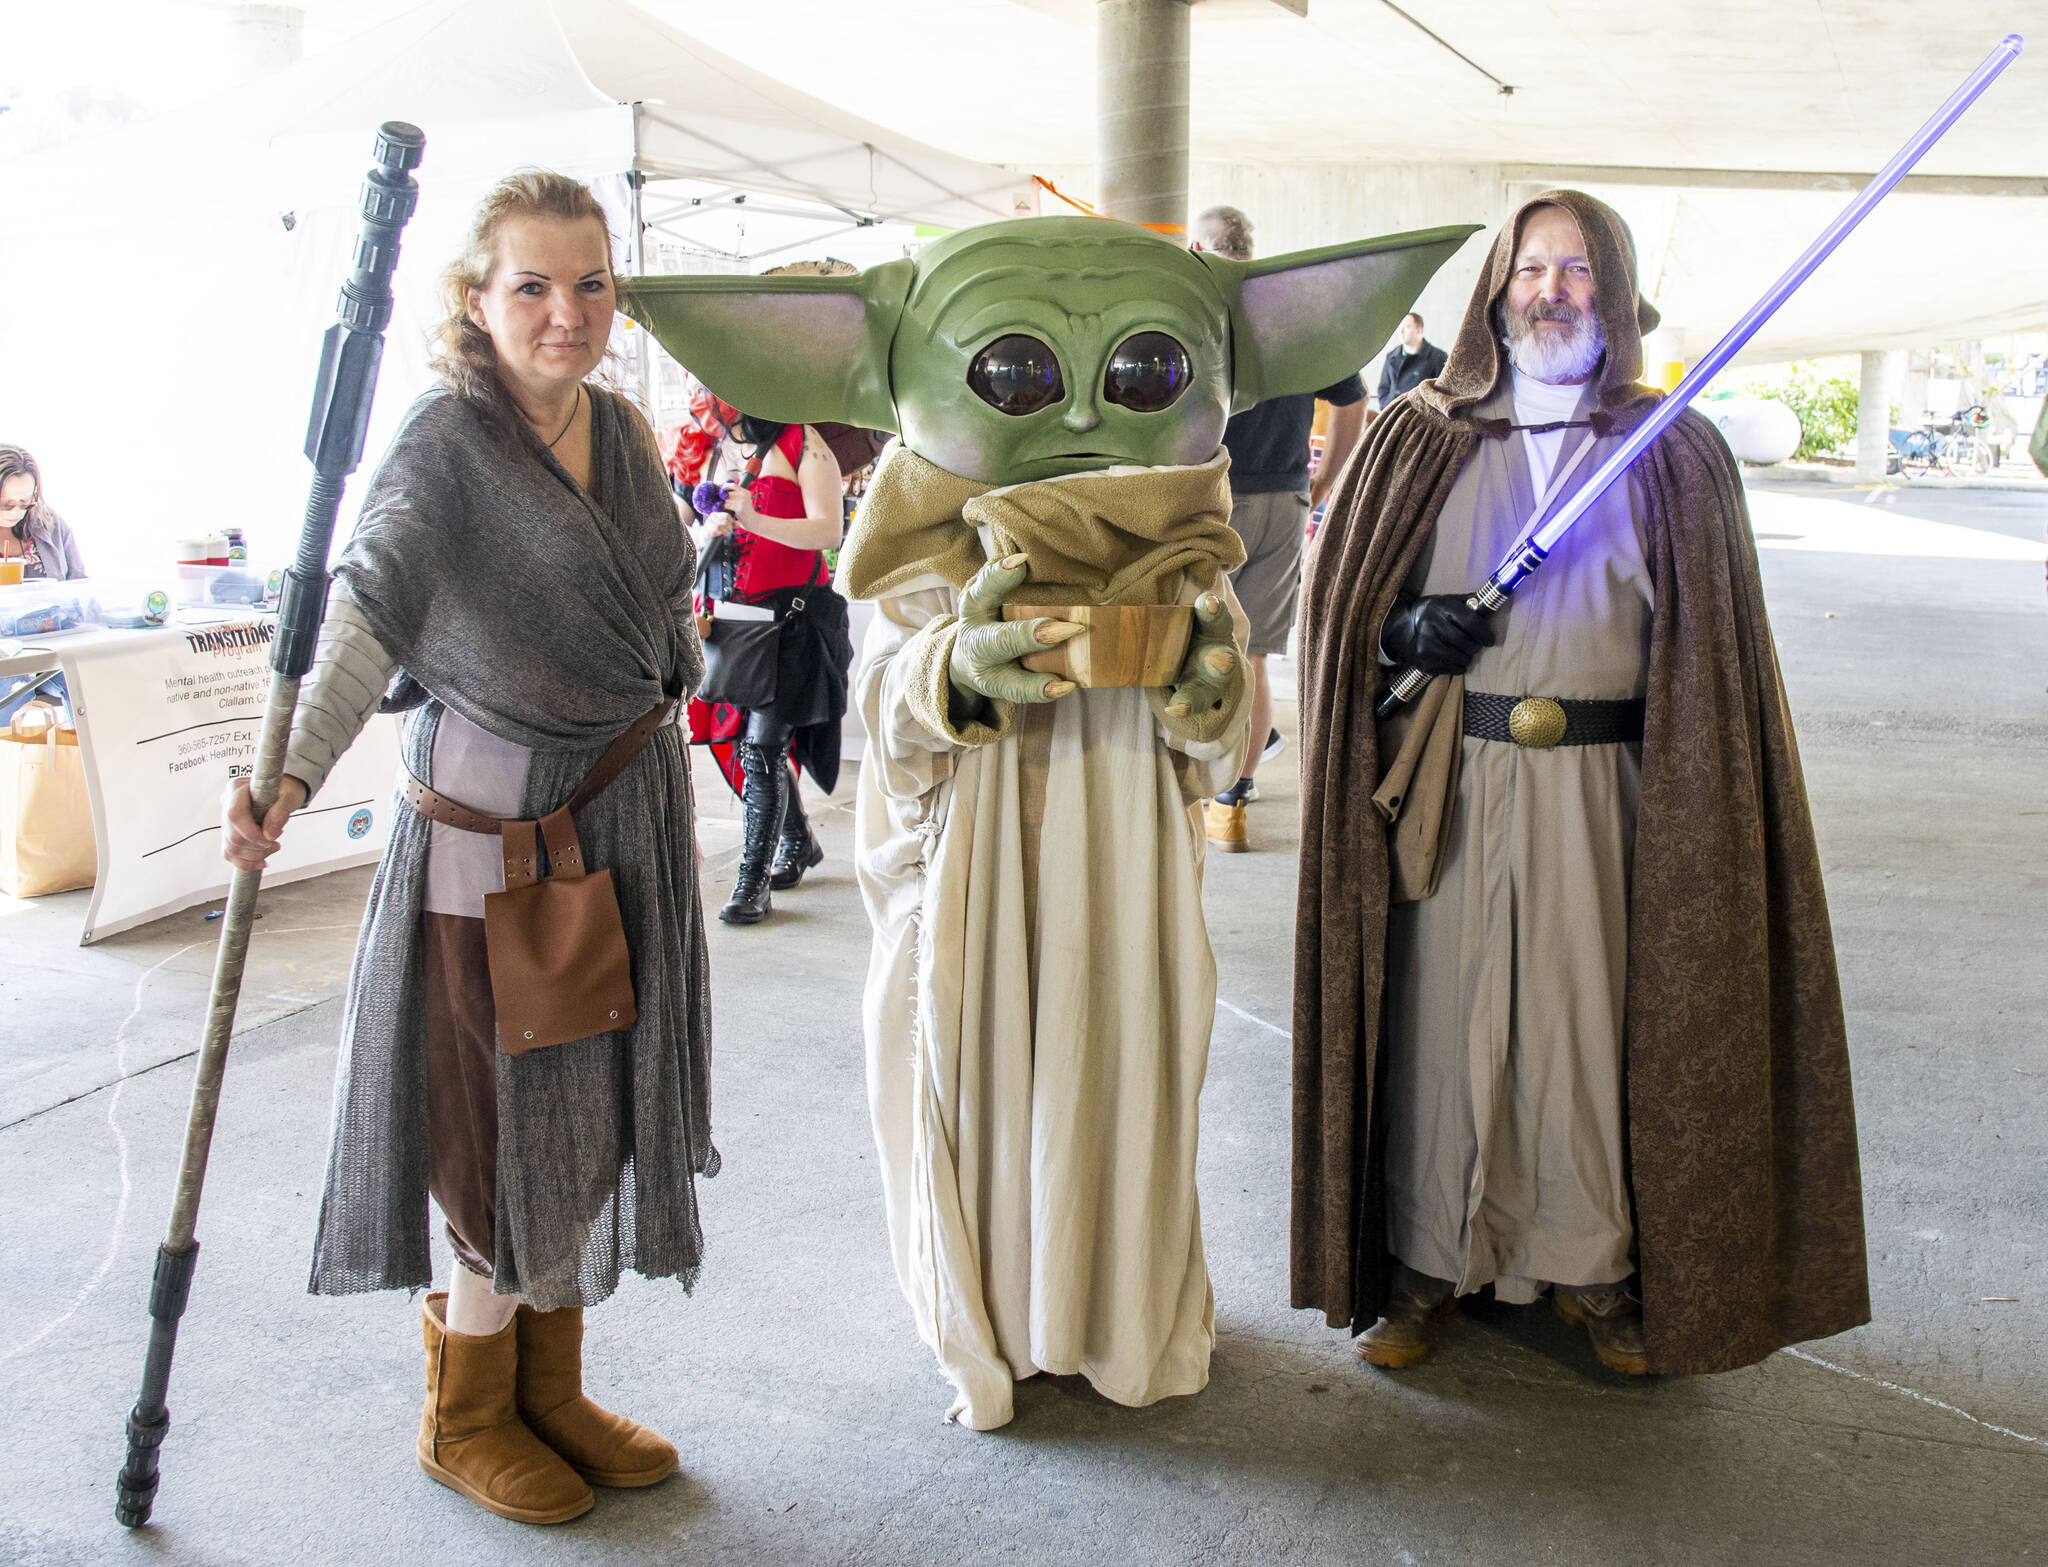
350	354
1511	573
1490	598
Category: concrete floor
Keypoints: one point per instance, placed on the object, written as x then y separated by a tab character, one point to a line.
809	1415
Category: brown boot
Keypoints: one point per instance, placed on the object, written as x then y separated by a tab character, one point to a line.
1407	1333
604	1448
471	1437
1613	1320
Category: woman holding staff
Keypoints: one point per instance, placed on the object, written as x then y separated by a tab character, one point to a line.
519	571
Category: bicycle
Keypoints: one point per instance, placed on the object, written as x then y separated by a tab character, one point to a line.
1966	453
1959	448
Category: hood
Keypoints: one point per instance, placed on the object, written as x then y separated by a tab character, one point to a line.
1478	359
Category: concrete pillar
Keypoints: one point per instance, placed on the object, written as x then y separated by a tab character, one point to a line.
261	39
1141	111
1881	372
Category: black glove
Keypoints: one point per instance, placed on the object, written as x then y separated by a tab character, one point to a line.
1439	635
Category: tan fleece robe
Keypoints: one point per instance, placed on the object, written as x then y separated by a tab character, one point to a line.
1039	1002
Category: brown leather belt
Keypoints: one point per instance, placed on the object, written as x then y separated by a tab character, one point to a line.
438	807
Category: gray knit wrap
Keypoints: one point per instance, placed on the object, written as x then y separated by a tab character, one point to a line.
551	617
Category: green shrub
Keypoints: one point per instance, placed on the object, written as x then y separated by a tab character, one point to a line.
1823	397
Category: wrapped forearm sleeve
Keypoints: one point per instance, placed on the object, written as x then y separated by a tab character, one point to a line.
350	674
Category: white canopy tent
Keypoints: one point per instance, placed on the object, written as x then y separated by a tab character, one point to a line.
166	287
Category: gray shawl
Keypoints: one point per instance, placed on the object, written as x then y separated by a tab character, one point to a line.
551	617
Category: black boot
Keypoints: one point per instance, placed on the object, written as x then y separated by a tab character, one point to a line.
765	797
796	851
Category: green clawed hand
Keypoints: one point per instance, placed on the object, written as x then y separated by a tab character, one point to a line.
986	654
1212	659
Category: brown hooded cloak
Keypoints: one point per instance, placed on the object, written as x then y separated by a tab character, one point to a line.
1740	1124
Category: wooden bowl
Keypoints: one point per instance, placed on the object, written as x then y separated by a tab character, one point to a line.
1124	645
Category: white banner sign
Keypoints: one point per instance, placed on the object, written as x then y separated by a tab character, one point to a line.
165	720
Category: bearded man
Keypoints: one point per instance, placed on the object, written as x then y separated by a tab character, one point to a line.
1566	1011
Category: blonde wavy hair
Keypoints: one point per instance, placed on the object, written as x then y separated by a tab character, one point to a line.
462	353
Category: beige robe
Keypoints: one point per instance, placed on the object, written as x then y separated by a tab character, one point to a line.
1038	1009
1506	1142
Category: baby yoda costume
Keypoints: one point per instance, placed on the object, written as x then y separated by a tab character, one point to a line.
1041	991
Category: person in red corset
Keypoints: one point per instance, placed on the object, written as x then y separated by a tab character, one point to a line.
765	546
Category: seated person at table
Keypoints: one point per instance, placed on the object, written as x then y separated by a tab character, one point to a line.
29	531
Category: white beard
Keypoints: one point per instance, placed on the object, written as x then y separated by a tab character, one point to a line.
1548	356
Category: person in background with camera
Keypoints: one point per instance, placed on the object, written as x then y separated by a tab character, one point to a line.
519	569
30	532
767	514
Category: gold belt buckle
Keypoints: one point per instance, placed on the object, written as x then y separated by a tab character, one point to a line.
1536	723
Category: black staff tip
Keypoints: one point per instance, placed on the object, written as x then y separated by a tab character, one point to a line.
399	145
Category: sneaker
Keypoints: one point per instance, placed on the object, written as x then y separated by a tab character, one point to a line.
1407	1333
1613	1320
1243	792
1276	742
1225	826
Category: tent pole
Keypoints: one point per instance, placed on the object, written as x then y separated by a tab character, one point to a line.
644	357
635	183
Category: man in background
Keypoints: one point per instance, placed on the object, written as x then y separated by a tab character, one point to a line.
1271	497
1408	365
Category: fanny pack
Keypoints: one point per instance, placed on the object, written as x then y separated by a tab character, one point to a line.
556	943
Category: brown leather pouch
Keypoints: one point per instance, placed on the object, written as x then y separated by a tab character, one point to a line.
556	943
559	968
1420	789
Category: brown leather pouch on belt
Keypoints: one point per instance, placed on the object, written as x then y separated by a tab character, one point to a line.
557	945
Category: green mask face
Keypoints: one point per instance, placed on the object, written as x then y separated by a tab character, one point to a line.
1044	346
1025	353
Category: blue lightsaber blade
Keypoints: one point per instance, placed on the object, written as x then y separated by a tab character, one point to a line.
1520	562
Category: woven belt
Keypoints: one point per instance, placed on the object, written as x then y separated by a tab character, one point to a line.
1539	722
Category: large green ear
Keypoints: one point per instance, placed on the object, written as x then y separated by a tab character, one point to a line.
798	350
1304	321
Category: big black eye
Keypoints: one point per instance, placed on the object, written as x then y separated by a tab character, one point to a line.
1017	375
1147	372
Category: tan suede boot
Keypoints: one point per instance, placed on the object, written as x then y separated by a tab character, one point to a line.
471	1437
1416	1313
1613	1320
604	1448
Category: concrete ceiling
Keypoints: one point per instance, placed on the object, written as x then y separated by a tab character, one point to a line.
1776	85
1727	130
1721	84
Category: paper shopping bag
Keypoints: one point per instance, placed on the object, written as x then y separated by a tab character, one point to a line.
46	842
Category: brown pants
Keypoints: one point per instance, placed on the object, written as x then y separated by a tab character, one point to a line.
462	1085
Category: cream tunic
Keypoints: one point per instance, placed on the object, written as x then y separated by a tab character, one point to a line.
1506	1144
1038	1010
